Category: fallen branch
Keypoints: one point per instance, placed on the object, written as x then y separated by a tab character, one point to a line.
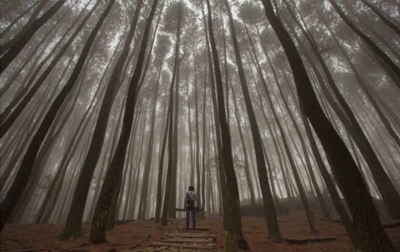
309	240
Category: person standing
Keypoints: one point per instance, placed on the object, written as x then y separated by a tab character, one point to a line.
191	206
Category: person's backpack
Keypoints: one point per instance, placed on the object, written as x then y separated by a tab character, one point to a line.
189	200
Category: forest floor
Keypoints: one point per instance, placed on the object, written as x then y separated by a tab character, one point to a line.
138	234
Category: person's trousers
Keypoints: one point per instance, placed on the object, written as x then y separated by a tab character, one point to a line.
190	211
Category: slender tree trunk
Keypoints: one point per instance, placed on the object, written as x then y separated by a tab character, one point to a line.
49	201
191	161
98	231
73	224
172	107
176	143
330	185
269	207
148	164
48	142
245	152
289	154
233	236
204	132
164	212
365	217
389	193
24	170
196	111
302	142
161	165
149	155
229	222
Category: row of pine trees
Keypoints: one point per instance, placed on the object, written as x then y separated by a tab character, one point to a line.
110	109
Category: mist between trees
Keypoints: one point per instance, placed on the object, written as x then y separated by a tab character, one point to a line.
111	109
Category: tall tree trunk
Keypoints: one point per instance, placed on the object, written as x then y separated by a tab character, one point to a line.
172	128
215	117
73	224
288	152
365	217
24	170
233	236
196	111
277	147
176	145
48	143
149	155
389	193
245	152
23	128
164	212
175	141
205	126
302	141
269	206
390	196
49	201
98	231
161	165
191	161
26	131
330	185
148	164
